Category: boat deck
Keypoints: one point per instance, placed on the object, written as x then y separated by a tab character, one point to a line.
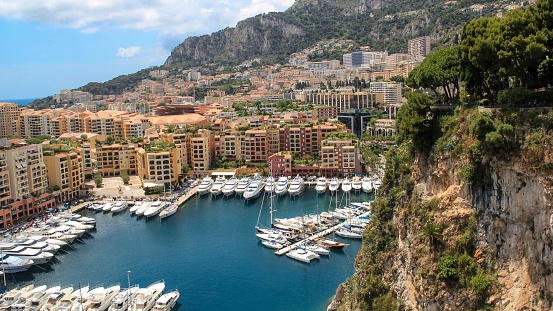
319	234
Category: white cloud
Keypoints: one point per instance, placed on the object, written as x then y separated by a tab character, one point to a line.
170	18
131	51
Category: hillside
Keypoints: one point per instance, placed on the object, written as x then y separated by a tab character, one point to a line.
381	24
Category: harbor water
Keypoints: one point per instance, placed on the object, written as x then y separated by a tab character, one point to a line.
209	252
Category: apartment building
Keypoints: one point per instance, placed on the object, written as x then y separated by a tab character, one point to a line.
112	159
256	146
341	156
280	164
324	112
65	170
200	155
419	47
342	100
159	164
9	113
33	123
391	91
23	183
228	145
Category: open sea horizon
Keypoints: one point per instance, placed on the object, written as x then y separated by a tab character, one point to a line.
20	101
209	252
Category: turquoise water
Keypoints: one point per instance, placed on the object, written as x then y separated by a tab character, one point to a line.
209	251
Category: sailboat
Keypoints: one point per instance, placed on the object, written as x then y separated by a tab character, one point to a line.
271	238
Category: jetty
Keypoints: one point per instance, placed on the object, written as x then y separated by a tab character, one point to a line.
317	235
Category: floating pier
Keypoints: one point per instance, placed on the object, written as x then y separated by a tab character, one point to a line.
317	235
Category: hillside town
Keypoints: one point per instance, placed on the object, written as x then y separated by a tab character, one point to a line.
303	118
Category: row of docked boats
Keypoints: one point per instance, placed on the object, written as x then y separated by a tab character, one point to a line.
41	241
251	187
147	208
112	298
303	237
357	184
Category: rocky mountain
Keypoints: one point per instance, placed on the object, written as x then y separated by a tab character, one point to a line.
381	24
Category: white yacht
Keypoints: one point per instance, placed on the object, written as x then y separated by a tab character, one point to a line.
167	301
322	185
102	300
36	301
346	185
37	256
296	186
356	184
121	301
32	243
66	302
273	244
366	184
137	206
217	187
54	297
169	210
376	184
205	185
334	184
108	206
254	188
270	184
281	186
14	295
301	254
154	209
242	185
230	185
317	249
119	207
19	304
145	205
146	298
347	232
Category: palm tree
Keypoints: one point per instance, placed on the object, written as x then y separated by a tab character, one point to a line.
432	231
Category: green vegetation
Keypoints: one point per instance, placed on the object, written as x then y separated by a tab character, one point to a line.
125	176
502	53
98	179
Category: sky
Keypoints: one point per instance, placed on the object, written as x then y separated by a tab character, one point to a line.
49	45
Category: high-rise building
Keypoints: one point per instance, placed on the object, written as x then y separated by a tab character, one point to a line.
65	170
9	113
419	47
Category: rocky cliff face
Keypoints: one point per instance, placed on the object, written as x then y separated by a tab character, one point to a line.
514	234
261	35
505	217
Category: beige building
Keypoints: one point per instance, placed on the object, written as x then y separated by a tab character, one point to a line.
200	152
342	155
112	159
160	165
65	170
391	91
9	113
23	183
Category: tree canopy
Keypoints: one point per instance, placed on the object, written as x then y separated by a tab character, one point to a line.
439	71
500	53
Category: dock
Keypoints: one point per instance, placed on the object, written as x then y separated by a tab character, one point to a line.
317	235
191	192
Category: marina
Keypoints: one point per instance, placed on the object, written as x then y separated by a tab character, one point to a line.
190	239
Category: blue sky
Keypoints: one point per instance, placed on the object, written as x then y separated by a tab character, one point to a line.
56	44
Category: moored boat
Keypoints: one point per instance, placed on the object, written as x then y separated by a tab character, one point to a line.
217	187
146	297
281	185
296	186
154	209
270	184
366	184
168	211
356	184
346	185
230	186
242	185
303	255
166	302
254	188
119	207
205	185
122	300
334	184
322	185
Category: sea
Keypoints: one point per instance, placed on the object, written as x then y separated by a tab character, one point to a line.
21	101
209	252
